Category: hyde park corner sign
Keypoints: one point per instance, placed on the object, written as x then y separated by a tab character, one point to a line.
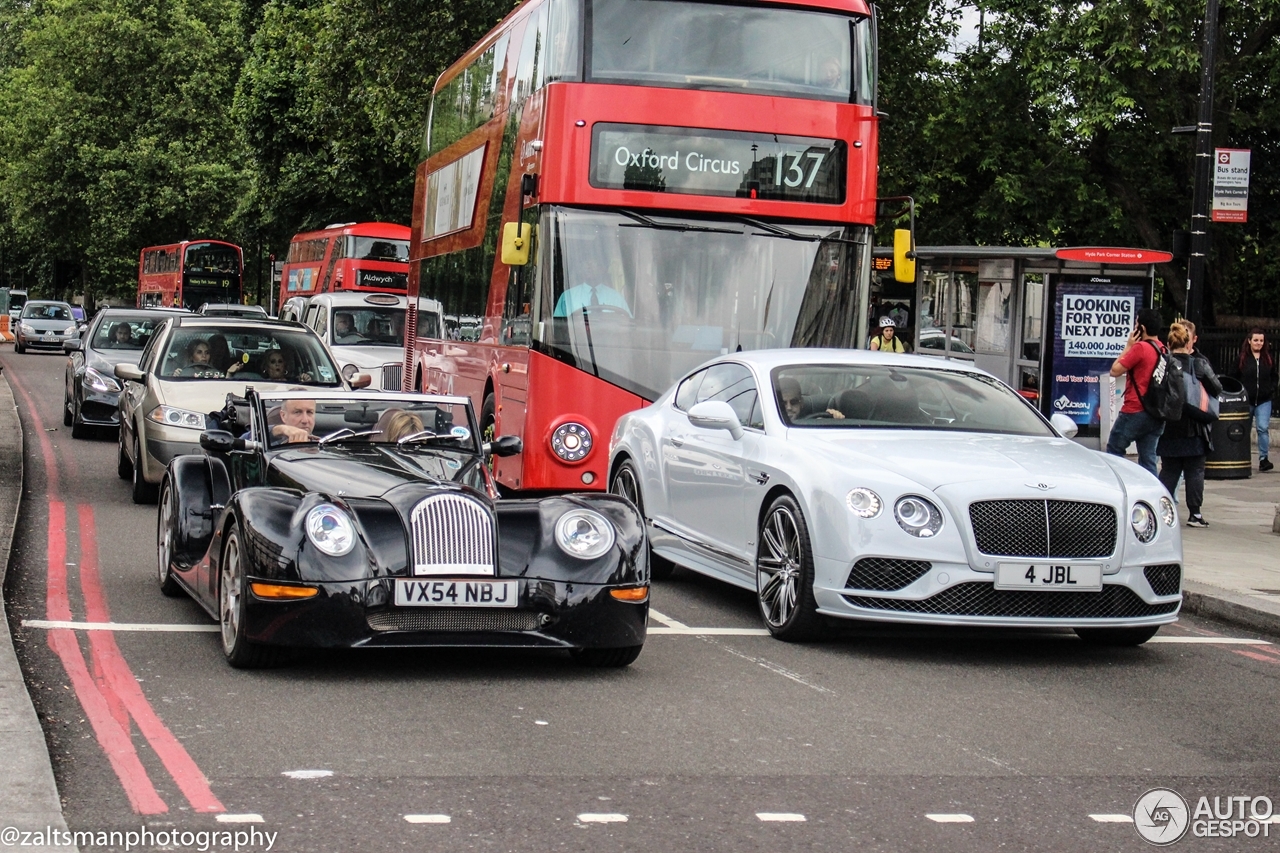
1231	185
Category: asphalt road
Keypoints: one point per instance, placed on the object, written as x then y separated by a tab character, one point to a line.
886	739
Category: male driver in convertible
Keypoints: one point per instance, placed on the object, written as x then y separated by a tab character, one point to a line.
297	419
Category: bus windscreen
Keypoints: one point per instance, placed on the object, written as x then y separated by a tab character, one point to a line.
212	258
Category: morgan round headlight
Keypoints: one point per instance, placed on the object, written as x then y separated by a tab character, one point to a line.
1143	520
864	502
918	516
1168	513
584	534
330	530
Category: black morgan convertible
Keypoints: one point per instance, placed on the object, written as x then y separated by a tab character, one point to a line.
354	519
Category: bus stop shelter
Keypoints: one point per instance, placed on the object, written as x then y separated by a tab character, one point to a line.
1047	321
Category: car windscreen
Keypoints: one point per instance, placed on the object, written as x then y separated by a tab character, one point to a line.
125	331
378	249
46	311
398	422
878	396
368	326
246	353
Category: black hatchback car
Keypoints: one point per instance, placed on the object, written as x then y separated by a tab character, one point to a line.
364	519
91	392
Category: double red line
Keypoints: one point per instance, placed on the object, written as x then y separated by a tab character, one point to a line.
109	694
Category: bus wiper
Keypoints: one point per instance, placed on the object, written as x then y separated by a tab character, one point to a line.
670	226
795	235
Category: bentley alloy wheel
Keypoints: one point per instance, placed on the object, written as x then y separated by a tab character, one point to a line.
626	484
784	574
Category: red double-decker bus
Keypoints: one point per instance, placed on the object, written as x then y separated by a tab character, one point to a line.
190	273
614	191
363	256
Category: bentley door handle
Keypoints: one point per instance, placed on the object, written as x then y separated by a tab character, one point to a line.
677	442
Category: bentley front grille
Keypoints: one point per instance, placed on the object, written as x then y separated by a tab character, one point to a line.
452	534
886	575
458	619
983	599
1164	580
1044	528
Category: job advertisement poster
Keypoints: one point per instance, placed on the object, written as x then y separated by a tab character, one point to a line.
1093	316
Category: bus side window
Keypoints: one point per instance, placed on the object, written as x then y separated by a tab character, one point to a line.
532	66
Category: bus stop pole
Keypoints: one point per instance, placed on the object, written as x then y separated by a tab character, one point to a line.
1203	171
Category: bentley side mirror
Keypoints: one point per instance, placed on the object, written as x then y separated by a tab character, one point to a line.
217	441
1064	425
130	373
716	414
359	380
506	445
73	345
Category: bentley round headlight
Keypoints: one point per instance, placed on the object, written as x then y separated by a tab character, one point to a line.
918	516
864	502
1143	519
584	534
1168	513
571	442
330	530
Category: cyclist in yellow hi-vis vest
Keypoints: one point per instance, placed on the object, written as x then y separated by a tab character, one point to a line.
886	341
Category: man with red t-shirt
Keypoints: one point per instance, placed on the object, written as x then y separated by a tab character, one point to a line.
1139	361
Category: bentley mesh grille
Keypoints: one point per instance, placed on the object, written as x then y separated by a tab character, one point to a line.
1164	580
453	619
983	599
452	533
884	574
391	376
1043	528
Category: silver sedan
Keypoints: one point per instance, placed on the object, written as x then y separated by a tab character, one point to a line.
860	485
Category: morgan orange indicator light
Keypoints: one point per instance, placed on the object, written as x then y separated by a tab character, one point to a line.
280	591
635	593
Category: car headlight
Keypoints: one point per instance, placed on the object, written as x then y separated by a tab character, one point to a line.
170	416
571	442
584	534
330	530
98	382
864	502
69	330
349	370
1143	520
918	516
1167	512
26	328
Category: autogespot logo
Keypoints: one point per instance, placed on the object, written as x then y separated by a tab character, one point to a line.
1161	816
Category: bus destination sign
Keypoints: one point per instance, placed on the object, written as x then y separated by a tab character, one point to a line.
692	161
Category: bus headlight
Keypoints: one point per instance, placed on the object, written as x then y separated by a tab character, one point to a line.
571	442
330	530
584	534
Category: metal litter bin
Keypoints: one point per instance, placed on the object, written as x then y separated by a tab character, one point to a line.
1231	457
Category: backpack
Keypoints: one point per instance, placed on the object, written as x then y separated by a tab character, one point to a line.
1166	391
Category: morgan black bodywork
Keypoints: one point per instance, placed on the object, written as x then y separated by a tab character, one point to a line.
358	537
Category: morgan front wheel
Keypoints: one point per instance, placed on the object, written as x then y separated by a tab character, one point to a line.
240	652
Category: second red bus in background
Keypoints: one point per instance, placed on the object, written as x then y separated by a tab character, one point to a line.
190	274
371	257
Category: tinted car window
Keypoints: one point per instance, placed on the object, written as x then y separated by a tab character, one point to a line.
733	384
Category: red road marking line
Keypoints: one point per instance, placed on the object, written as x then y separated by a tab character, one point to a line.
1257	656
114	740
122	681
46	446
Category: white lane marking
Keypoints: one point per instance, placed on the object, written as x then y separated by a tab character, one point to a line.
428	818
120	626
666	620
1226	641
608	817
1112	818
950	818
708	632
541	723
240	818
307	774
771	666
781	817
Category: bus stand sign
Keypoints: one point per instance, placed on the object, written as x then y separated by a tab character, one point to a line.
1231	185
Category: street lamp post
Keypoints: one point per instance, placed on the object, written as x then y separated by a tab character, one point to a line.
1203	171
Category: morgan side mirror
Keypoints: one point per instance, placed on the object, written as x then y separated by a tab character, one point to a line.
506	445
218	441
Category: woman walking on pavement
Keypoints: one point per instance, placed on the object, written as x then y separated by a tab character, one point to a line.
1256	370
1184	443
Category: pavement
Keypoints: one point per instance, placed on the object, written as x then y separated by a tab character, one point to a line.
1231	574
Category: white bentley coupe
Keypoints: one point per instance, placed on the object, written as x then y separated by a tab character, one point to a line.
861	485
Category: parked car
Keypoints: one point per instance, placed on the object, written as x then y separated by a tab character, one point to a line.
43	324
365	331
374	523
859	485
227	309
91	392
187	370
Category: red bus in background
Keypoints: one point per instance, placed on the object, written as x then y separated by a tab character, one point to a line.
190	273
614	191
350	256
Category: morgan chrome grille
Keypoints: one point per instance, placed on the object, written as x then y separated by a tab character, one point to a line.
1043	528
452	535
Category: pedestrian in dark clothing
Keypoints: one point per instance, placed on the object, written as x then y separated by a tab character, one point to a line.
1185	443
1256	370
1137	363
